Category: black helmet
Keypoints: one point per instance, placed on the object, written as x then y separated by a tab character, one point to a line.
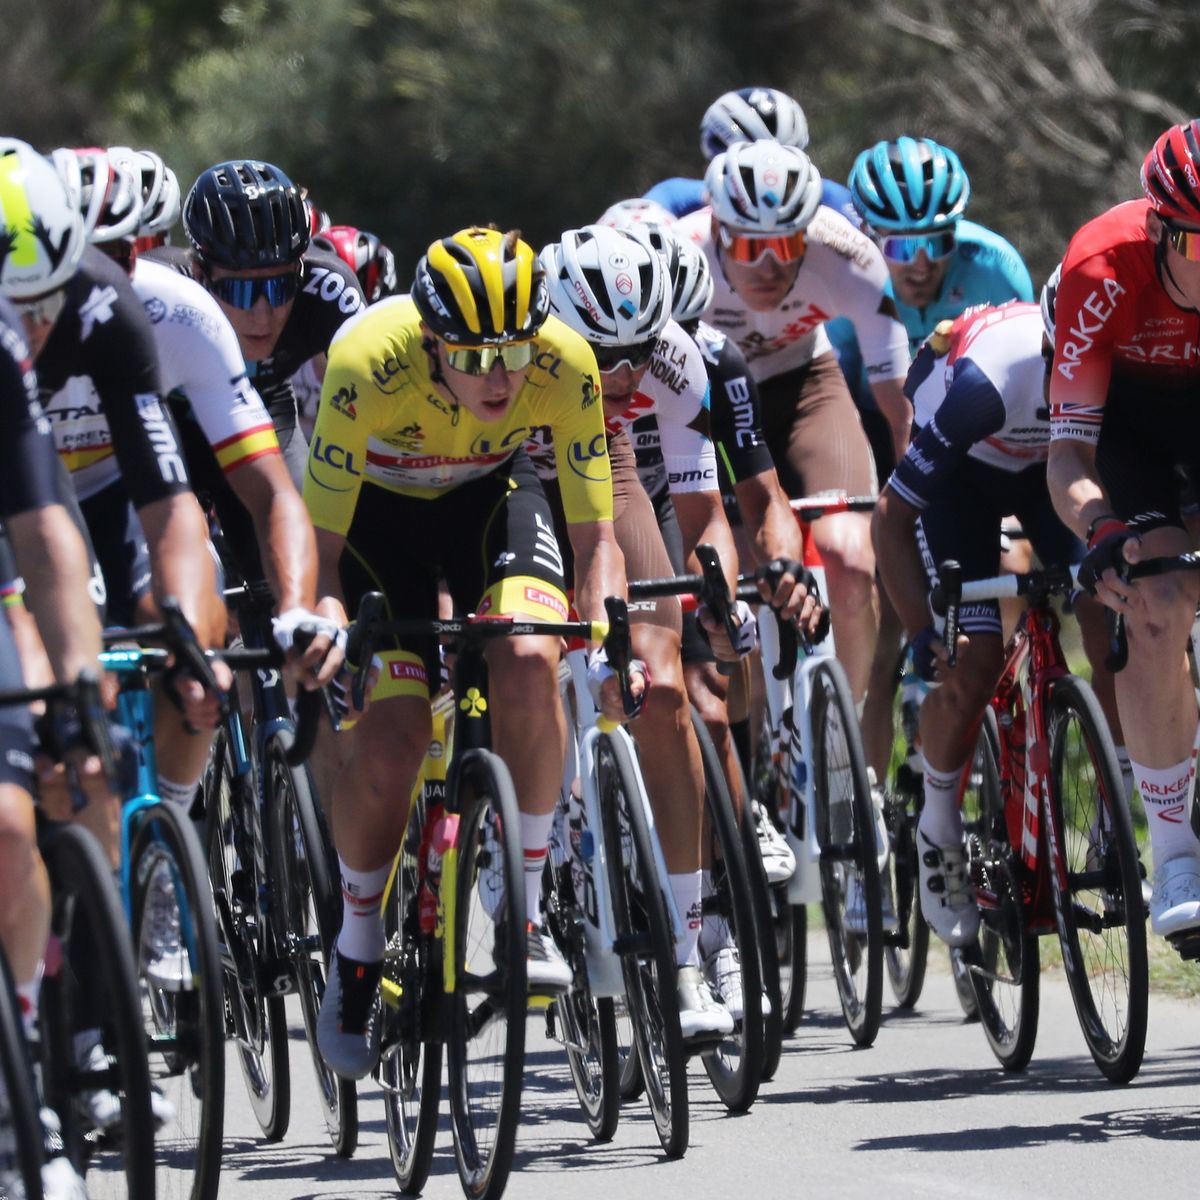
246	214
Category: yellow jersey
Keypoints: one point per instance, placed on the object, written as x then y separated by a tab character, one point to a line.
383	422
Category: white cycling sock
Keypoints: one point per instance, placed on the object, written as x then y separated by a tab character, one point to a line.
27	997
179	794
1167	796
361	937
535	834
941	818
685	889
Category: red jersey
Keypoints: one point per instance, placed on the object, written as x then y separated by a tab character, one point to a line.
1115	326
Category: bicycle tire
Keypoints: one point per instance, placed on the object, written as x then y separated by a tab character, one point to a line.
735	1066
307	909
257	1018
16	1072
1100	923
645	943
410	1062
768	949
589	1026
845	829
490	871
185	1028
791	947
629	1066
1007	1003
85	905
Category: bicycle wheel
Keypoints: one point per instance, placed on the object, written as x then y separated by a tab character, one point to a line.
735	1066
629	1066
307	911
20	1125
183	1009
410	1062
486	1046
254	1003
1096	883
645	939
791	946
588	1023
845	829
95	988
1003	960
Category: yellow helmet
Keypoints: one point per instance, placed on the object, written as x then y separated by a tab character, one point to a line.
481	287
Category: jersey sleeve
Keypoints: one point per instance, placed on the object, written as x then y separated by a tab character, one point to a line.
736	416
682	407
1089	312
864	299
338	452
972	410
28	462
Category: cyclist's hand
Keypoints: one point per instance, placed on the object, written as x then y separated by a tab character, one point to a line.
606	688
791	597
1098	572
201	709
341	691
718	637
323	657
930	658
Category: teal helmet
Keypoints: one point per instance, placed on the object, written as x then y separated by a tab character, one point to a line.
911	183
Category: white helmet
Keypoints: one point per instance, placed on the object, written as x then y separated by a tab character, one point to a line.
627	213
763	187
608	285
1049	297
693	282
159	214
41	232
108	188
159	187
751	114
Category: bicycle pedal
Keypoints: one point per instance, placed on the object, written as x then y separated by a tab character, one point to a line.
1187	944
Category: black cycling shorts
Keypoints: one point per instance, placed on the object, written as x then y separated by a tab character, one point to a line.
965	526
121	550
491	540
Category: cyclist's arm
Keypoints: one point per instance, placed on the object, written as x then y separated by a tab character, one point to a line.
893	530
702	519
769	518
329	554
895	406
599	567
1075	488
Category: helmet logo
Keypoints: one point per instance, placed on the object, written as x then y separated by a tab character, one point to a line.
770	178
618	262
770	199
627	309
1190	173
623	284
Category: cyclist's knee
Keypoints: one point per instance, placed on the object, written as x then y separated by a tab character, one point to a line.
845	545
1163	622
525	675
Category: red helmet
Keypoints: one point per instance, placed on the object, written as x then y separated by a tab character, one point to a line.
365	254
1171	174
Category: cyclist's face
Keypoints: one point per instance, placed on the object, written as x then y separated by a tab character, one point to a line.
258	328
1184	272
917	283
762	285
617	387
486	397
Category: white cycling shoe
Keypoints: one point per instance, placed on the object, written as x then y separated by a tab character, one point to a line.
701	1014
947	895
1175	902
779	862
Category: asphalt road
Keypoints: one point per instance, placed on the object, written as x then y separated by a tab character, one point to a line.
924	1112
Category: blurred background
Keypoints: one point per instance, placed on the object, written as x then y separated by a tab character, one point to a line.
412	118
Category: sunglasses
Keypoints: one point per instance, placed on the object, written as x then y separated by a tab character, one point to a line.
747	248
480	361
609	358
42	310
244	293
1185	241
904	247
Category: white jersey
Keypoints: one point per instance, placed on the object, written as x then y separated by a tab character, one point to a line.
674	389
198	356
843	275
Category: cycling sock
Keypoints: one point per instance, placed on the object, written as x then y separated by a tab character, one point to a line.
941	818
1166	794
685	889
179	794
535	833
361	937
27	998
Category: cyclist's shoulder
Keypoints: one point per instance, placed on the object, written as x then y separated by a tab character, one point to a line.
678	195
562	378
837	244
330	295
1113	242
177	303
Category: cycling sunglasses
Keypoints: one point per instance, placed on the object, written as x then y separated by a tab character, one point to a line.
244	293
44	309
748	248
480	360
636	356
904	247
1185	241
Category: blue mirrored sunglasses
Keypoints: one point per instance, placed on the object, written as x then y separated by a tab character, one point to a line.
905	247
244	293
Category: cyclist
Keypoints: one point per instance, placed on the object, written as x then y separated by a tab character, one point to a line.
1122	425
47	243
612	287
374	265
911	194
783	264
979	452
416	473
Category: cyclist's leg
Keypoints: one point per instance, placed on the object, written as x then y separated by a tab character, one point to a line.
817	441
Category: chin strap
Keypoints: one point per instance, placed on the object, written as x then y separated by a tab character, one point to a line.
437	376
